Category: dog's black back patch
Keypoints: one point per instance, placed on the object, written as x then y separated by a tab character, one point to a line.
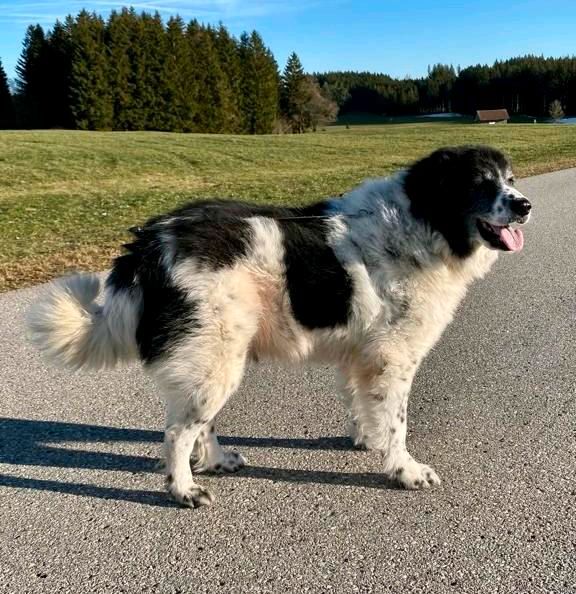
320	289
214	233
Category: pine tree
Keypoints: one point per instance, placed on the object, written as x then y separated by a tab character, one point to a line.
6	106
259	85
439	87
229	58
138	81
247	86
31	81
119	70
211	92
295	93
153	83
92	105
180	86
59	63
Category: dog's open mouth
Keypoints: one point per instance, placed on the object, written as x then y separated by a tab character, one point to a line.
502	238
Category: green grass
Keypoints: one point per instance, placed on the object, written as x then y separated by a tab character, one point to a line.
66	197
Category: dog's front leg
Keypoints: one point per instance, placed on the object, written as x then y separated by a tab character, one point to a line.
379	409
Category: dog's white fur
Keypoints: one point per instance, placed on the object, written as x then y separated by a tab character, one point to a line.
400	306
73	331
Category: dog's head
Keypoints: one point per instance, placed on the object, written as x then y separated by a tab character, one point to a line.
467	193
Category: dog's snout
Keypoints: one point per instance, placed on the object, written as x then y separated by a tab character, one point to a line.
520	206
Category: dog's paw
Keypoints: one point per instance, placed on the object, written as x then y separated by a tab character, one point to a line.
229	462
413	475
194	496
233	461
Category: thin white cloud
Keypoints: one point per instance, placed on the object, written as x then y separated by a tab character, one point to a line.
223	8
235	13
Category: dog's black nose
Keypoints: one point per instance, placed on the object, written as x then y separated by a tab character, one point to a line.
521	207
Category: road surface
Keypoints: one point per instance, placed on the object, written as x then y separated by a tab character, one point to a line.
493	409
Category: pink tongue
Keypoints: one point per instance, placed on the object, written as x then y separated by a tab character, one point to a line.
512	238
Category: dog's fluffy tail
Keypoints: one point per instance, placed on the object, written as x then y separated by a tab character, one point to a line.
73	331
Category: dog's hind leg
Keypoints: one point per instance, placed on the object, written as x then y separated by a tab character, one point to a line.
180	436
208	455
188	418
196	379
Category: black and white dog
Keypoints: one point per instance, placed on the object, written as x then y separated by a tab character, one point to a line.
367	282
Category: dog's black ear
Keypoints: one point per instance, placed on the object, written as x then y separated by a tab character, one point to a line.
436	187
428	181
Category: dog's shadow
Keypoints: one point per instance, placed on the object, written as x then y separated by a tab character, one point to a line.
41	443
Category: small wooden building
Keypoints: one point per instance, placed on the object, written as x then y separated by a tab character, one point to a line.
492	116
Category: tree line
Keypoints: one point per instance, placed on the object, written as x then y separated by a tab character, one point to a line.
529	85
135	72
132	72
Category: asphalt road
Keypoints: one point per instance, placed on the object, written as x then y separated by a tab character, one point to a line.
493	409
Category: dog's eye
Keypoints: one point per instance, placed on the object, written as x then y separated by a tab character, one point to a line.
511	181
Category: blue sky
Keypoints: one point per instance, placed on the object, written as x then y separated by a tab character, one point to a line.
399	37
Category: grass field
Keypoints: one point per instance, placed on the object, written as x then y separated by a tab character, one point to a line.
66	197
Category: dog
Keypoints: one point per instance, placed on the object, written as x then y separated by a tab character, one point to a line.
366	282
